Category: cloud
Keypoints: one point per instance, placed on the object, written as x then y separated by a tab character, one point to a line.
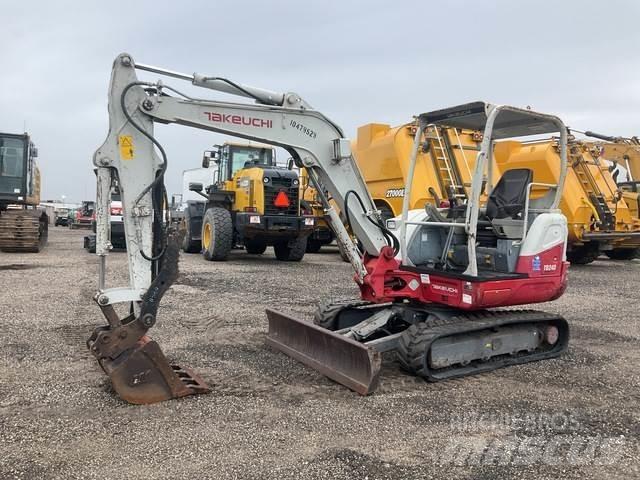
356	62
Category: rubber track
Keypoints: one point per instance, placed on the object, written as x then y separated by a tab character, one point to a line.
328	311
415	344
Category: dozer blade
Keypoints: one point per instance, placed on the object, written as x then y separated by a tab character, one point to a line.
340	358
142	375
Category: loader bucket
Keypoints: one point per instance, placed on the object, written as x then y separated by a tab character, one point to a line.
340	358
142	375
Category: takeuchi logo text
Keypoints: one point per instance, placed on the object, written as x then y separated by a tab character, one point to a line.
238	120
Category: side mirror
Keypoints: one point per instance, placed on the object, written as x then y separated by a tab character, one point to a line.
195	187
210	156
34	152
290	164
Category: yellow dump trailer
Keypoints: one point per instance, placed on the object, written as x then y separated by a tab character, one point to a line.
601	217
443	168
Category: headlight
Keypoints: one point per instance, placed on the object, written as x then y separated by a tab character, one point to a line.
265	180
295	182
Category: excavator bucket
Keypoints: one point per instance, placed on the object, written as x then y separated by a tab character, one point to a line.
142	375
336	356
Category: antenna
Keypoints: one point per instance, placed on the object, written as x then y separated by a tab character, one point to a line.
24	126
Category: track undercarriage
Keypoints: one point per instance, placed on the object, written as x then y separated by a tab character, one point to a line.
347	339
23	230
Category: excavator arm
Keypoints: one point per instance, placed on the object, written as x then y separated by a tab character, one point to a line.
132	157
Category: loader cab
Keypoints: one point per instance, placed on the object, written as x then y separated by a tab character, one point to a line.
231	158
17	165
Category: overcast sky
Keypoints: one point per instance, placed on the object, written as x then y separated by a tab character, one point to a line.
356	62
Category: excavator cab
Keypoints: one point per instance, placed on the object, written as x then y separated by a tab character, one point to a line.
23	228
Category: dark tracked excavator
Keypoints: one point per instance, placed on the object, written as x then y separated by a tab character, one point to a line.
23	226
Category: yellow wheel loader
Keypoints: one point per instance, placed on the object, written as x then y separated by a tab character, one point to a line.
312	205
252	202
23	226
601	218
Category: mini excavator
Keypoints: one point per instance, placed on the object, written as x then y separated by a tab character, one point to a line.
436	314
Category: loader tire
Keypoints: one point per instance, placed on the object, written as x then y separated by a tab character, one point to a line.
385	211
291	251
90	243
623	253
217	234
313	245
189	245
583	254
255	246
412	347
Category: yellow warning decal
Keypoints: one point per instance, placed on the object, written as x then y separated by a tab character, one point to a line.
126	147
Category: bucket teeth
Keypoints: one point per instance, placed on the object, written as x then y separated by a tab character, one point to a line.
142	375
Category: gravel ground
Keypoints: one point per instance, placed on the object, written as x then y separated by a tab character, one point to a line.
270	417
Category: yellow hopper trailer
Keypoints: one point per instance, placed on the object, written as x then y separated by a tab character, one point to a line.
444	165
601	218
622	152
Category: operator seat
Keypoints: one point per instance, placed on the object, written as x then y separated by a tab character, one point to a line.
507	200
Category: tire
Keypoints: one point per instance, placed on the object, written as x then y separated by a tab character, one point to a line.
385	211
189	245
623	253
583	254
217	234
291	251
313	245
90	243
255	246
412	348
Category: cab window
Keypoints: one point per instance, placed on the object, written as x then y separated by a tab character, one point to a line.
243	155
11	157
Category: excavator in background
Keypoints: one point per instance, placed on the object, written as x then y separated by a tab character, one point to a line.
433	312
601	218
23	226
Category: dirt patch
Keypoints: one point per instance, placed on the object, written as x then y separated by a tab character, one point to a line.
17	266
